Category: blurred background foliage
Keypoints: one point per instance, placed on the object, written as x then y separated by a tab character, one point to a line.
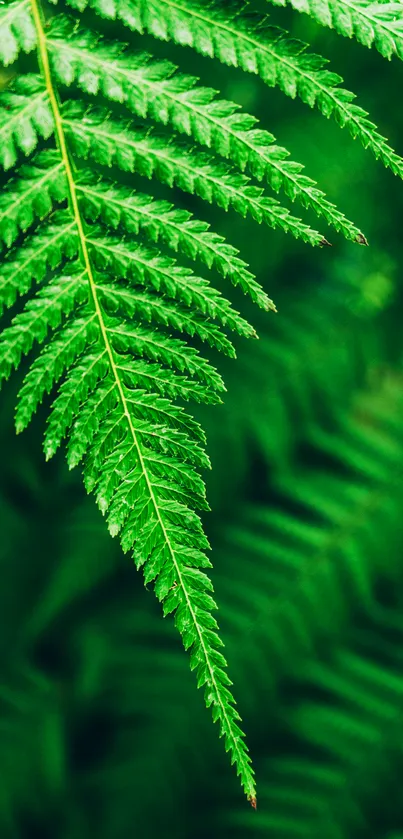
102	733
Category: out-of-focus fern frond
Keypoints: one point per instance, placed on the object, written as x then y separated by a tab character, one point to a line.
286	373
325	528
344	742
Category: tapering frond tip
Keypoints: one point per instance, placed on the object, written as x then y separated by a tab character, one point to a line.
362	240
271	306
253	801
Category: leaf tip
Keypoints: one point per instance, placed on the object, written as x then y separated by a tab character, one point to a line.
361	239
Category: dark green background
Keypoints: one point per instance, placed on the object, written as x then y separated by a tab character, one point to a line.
102	731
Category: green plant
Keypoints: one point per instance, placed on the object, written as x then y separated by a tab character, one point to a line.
81	236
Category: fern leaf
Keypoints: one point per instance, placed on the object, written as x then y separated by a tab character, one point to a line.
148	90
163	412
90	369
29	262
145	407
118	206
31	195
166	438
157	90
154	377
50	365
235	40
158	347
108	142
25	117
378	24
42	313
17	31
97	407
139	453
117	298
194	172
102	327
162	274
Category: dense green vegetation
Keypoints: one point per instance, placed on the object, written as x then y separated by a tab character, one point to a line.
102	730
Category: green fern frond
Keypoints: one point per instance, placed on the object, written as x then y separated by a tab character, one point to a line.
330	547
45	311
378	24
179	165
171	351
148	268
142	472
118	298
93	134
25	117
348	732
48	368
17	31
160	221
286	373
31	195
167	534
211	28
31	261
102	329
235	39
255	47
